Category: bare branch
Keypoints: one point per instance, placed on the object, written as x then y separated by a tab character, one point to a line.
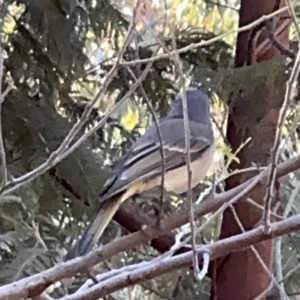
205	265
36	284
270	25
65	149
220	210
259	258
162	193
210	41
215	250
275	150
278	263
188	162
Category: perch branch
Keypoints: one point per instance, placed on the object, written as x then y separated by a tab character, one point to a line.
36	284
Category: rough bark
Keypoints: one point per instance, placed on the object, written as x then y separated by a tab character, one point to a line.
254	116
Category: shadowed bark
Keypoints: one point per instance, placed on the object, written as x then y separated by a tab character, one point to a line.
240	275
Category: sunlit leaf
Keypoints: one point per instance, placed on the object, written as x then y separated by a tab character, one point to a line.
9	25
130	119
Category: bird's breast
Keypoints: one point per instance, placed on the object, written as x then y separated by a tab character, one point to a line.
177	180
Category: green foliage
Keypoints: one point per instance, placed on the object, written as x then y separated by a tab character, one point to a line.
51	54
50	47
51	61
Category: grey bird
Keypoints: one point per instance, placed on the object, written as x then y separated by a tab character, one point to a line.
140	169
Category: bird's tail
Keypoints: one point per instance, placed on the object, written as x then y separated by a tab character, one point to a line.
95	229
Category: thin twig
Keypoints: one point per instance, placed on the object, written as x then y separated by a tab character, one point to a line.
173	56
162	195
263	294
218	212
215	250
239	171
89	108
210	41
187	137
65	149
256	253
266	44
205	265
2	98
237	151
278	263
276	216
106	117
189	177
270	187
35	284
225	140
163	168
270	25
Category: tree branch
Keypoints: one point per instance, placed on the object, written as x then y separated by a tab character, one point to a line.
215	250
36	284
275	150
210	41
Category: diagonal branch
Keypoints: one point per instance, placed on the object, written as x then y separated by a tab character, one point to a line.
275	150
215	250
36	284
210	41
149	104
66	147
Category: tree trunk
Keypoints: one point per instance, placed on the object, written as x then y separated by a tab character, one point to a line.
241	275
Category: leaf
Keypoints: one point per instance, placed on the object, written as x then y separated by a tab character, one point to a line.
130	119
9	25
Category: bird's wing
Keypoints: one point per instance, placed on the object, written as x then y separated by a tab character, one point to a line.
144	159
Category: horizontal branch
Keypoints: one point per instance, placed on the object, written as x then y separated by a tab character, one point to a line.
160	267
34	285
193	46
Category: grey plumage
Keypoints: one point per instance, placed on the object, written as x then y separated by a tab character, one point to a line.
142	165
144	157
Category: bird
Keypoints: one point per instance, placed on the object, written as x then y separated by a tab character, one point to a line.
140	168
